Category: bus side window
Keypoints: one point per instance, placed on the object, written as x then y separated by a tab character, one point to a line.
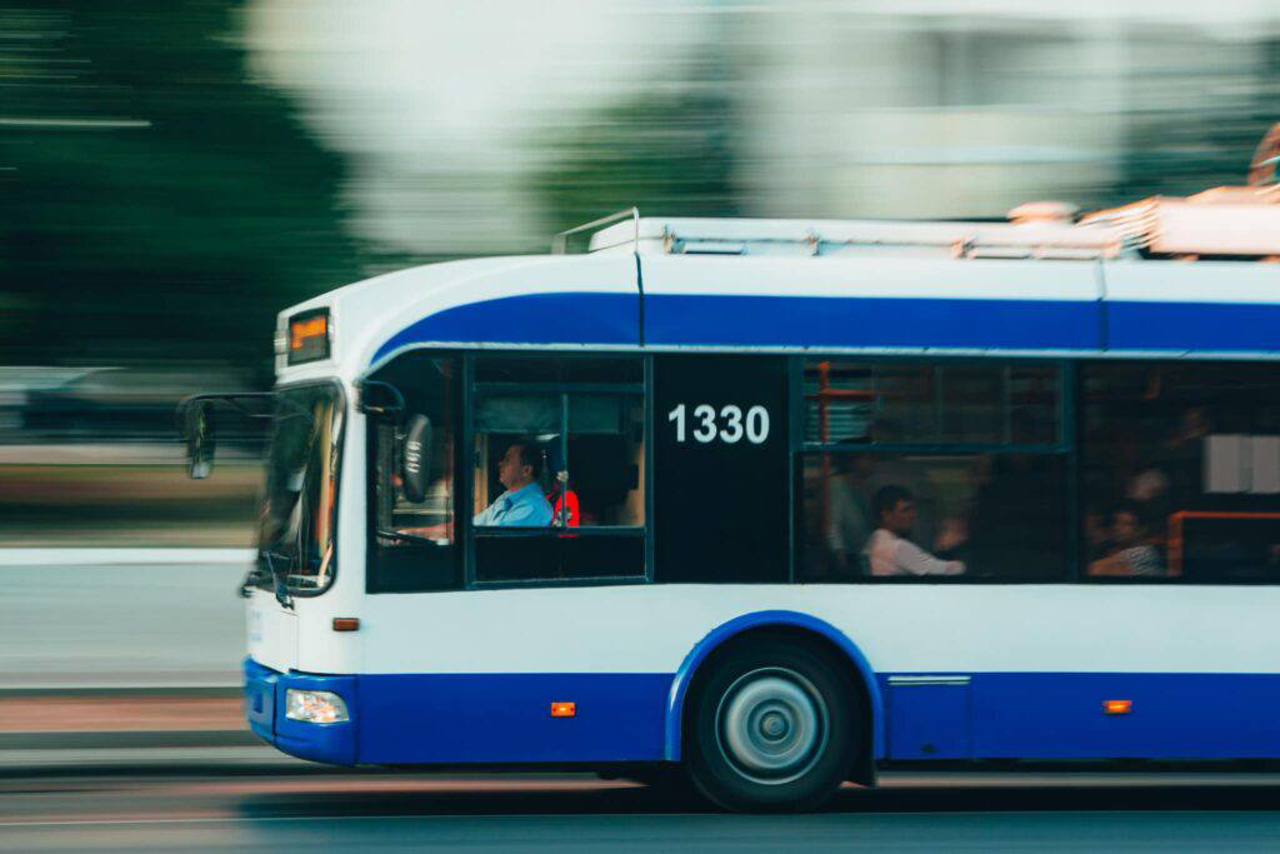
1181	471
558	485
978	489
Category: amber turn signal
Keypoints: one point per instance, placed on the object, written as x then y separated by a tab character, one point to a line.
1117	707
564	710
346	624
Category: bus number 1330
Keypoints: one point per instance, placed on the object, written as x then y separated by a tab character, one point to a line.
729	425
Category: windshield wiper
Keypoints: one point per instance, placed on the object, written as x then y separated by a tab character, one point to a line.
278	564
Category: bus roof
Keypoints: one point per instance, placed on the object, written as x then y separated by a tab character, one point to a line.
880	303
1042	283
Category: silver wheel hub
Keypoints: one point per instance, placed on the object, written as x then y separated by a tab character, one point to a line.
772	725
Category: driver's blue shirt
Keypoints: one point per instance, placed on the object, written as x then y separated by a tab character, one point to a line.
525	508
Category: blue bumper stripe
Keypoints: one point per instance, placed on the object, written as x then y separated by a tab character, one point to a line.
265	709
1062	716
506	718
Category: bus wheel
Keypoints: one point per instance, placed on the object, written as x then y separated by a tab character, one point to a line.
773	728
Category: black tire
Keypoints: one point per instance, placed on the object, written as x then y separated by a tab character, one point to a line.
772	725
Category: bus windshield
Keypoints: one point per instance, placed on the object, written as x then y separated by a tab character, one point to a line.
297	519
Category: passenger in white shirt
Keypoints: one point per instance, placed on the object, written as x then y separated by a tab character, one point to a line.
889	552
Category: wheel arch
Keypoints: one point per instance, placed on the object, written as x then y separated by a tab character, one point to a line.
802	625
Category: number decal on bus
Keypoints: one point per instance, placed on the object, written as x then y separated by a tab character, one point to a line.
677	415
707	428
730	427
757	425
732	431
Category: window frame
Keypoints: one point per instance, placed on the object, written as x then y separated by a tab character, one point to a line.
1065	447
1069	445
1082	366
341	401
372	547
472	388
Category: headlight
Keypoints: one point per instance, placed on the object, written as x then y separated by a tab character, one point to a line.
315	707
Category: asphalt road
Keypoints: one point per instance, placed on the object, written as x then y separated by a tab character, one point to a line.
272	811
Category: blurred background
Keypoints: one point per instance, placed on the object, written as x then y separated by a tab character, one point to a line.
174	172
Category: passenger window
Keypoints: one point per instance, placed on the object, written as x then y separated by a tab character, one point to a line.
932	470
1181	472
559	478
870	403
984	516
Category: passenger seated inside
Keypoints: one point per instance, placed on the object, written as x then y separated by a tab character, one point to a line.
1132	554
523	504
889	551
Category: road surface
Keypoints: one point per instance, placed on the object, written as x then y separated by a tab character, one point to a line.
304	810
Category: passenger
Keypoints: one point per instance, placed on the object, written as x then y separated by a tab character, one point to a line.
522	505
910	474
889	551
849	520
1134	556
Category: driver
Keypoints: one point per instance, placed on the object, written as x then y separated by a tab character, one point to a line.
522	505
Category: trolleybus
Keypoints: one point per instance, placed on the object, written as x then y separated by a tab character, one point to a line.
777	502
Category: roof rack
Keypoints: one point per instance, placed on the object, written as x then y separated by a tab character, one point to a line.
1235	222
710	236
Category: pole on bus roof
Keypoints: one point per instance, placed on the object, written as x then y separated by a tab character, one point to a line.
560	243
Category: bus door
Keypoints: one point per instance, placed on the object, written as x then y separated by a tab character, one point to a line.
721	477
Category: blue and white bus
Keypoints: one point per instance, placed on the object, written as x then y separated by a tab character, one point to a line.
796	499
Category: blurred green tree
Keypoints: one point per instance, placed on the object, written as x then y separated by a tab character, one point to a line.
155	202
667	150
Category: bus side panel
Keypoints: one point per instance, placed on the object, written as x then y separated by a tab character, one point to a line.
507	718
721	469
1172	716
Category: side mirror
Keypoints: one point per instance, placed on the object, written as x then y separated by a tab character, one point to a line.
415	457
201	439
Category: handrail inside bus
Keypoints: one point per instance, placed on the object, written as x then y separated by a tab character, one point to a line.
560	243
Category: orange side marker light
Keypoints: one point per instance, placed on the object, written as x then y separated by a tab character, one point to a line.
1117	707
346	624
564	710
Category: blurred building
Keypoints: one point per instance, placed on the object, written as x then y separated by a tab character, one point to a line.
921	108
964	108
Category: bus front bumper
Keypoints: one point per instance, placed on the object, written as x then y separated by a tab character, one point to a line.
265	699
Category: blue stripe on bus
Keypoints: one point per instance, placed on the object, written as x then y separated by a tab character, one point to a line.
772	321
482	718
559	318
264	694
1062	716
506	718
871	322
1193	326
